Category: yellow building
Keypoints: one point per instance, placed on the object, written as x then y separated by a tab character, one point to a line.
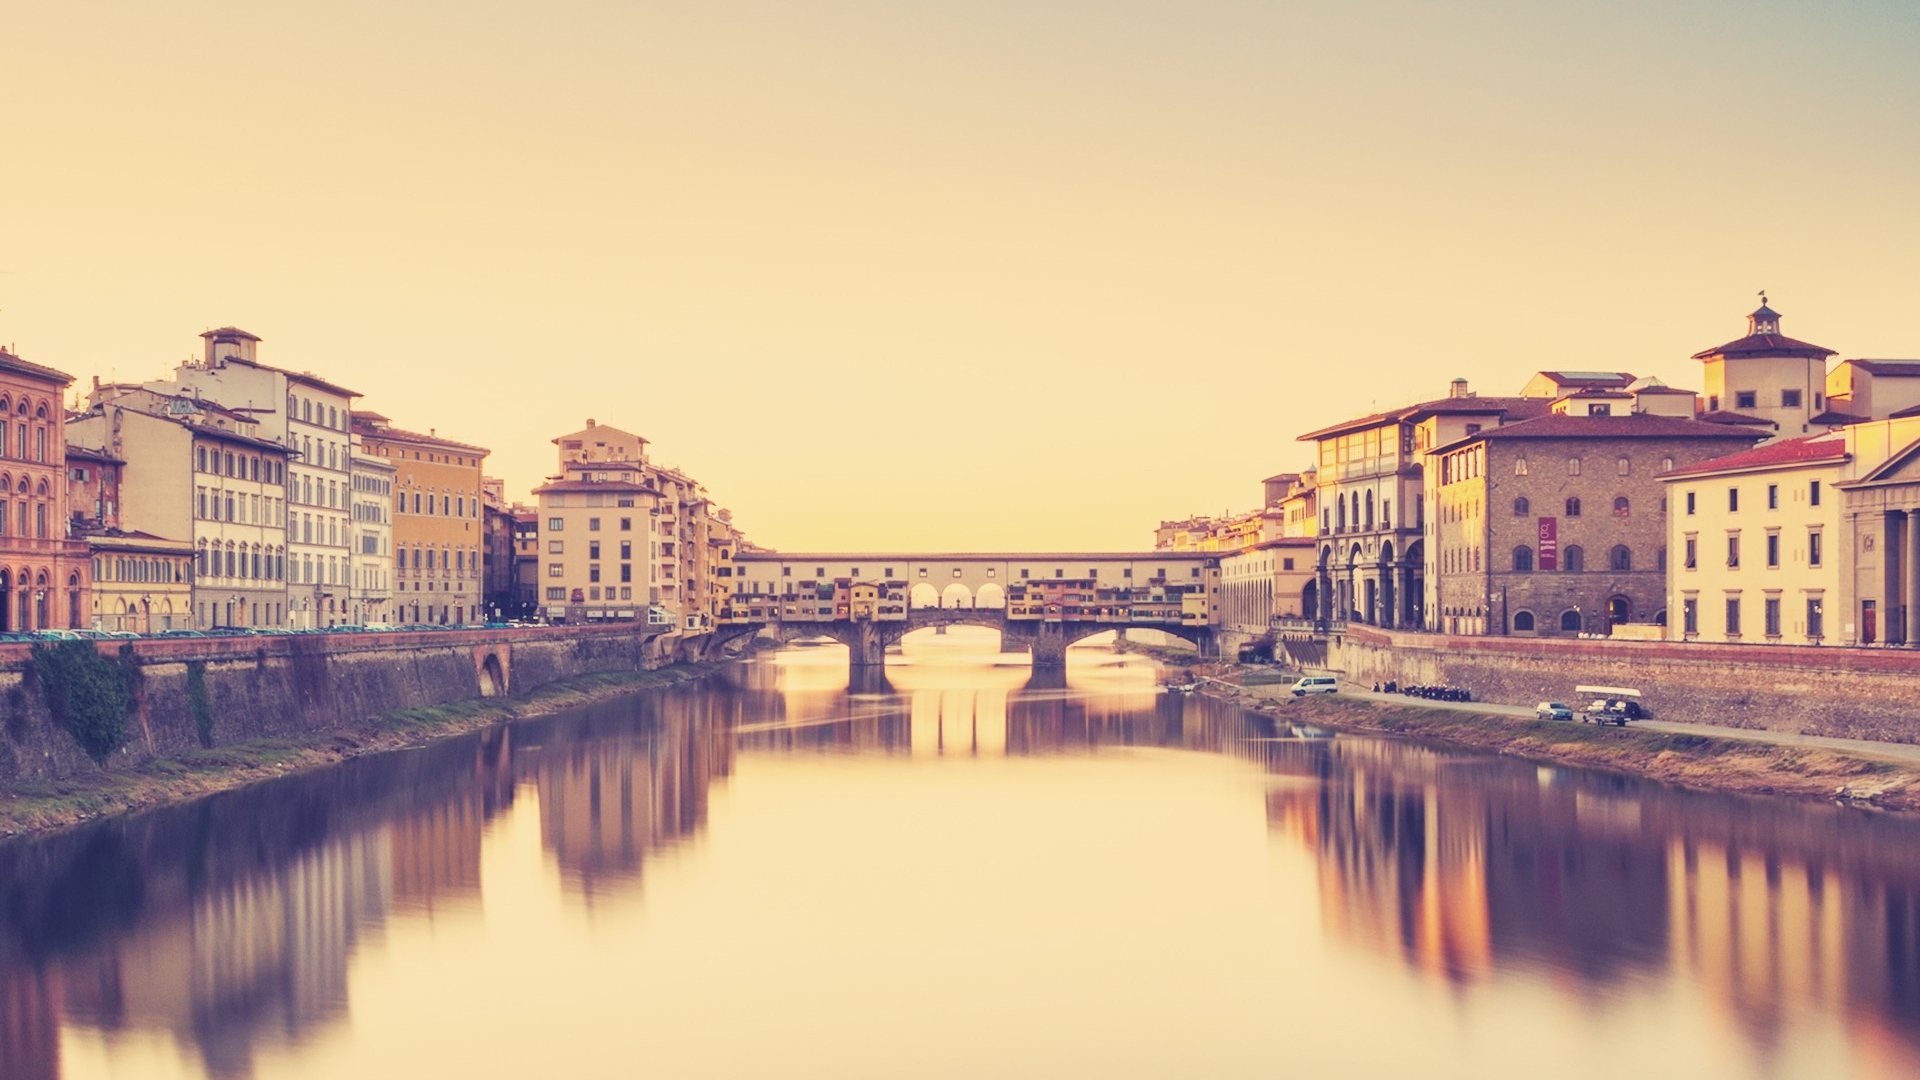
623	538
436	521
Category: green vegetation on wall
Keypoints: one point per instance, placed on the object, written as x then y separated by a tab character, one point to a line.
87	694
199	702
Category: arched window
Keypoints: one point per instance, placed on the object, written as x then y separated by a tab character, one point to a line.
306	410
1666	464
1521	507
1620	558
1519	466
1573	507
1573	466
1620	506
1523	622
1625	466
1570	621
1573	560
1523	559
1369	518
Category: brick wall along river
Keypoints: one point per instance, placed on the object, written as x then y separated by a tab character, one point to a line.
285	685
1844	693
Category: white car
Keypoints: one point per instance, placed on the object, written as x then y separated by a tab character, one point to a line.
1316	684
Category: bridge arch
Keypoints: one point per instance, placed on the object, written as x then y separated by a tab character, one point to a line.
990	595
923	596
956	595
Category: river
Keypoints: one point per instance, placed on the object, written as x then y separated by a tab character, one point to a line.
969	870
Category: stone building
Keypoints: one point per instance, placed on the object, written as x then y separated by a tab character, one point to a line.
1557	524
1372	562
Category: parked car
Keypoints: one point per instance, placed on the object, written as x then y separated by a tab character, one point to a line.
1553	710
181	631
1316	684
58	635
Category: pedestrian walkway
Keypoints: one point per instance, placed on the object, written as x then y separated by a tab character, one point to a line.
1902	752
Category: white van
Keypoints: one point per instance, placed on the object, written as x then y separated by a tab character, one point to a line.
1316	684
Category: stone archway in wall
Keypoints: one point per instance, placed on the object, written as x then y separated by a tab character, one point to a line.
956	595
923	596
991	595
491	664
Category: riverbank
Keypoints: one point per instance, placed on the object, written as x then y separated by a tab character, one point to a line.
44	806
1700	762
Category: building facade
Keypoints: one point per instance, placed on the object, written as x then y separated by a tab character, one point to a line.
44	575
371	564
1807	541
1558	524
1372	562
437	521
310	417
197	470
142	583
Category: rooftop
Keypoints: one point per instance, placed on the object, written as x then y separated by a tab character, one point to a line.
12	363
1633	426
1447	406
1801	451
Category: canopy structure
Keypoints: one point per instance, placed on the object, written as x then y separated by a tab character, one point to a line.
1607	691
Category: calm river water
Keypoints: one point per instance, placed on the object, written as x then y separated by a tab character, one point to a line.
968	872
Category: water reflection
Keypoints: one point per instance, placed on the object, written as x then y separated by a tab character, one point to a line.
1788	935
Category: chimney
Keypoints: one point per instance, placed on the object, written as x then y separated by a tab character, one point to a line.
1459	389
589	421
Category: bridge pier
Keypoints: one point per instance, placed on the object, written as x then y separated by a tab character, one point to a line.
866	645
1049	646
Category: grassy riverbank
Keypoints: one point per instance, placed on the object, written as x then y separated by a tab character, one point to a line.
28	808
1694	761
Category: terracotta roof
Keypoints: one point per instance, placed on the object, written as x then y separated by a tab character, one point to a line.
615	486
393	434
10	362
1799	451
1764	345
1833	418
1588	380
88	453
1728	416
1887	367
231	332
1633	426
1447	406
1911	410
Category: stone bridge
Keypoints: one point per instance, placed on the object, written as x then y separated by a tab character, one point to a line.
867	641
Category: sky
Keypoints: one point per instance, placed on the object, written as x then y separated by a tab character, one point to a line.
950	276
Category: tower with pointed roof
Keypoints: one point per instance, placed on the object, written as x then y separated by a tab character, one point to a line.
1767	376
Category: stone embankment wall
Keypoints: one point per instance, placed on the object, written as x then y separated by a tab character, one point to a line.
296	684
1841	692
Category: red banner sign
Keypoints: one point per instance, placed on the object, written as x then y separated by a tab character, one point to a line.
1549	543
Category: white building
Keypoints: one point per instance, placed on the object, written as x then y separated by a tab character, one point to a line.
311	418
1766	547
371	562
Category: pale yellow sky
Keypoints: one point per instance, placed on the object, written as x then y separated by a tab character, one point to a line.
951	275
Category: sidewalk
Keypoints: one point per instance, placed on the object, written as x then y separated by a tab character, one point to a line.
1908	753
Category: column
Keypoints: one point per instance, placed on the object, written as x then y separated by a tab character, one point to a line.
1912	569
